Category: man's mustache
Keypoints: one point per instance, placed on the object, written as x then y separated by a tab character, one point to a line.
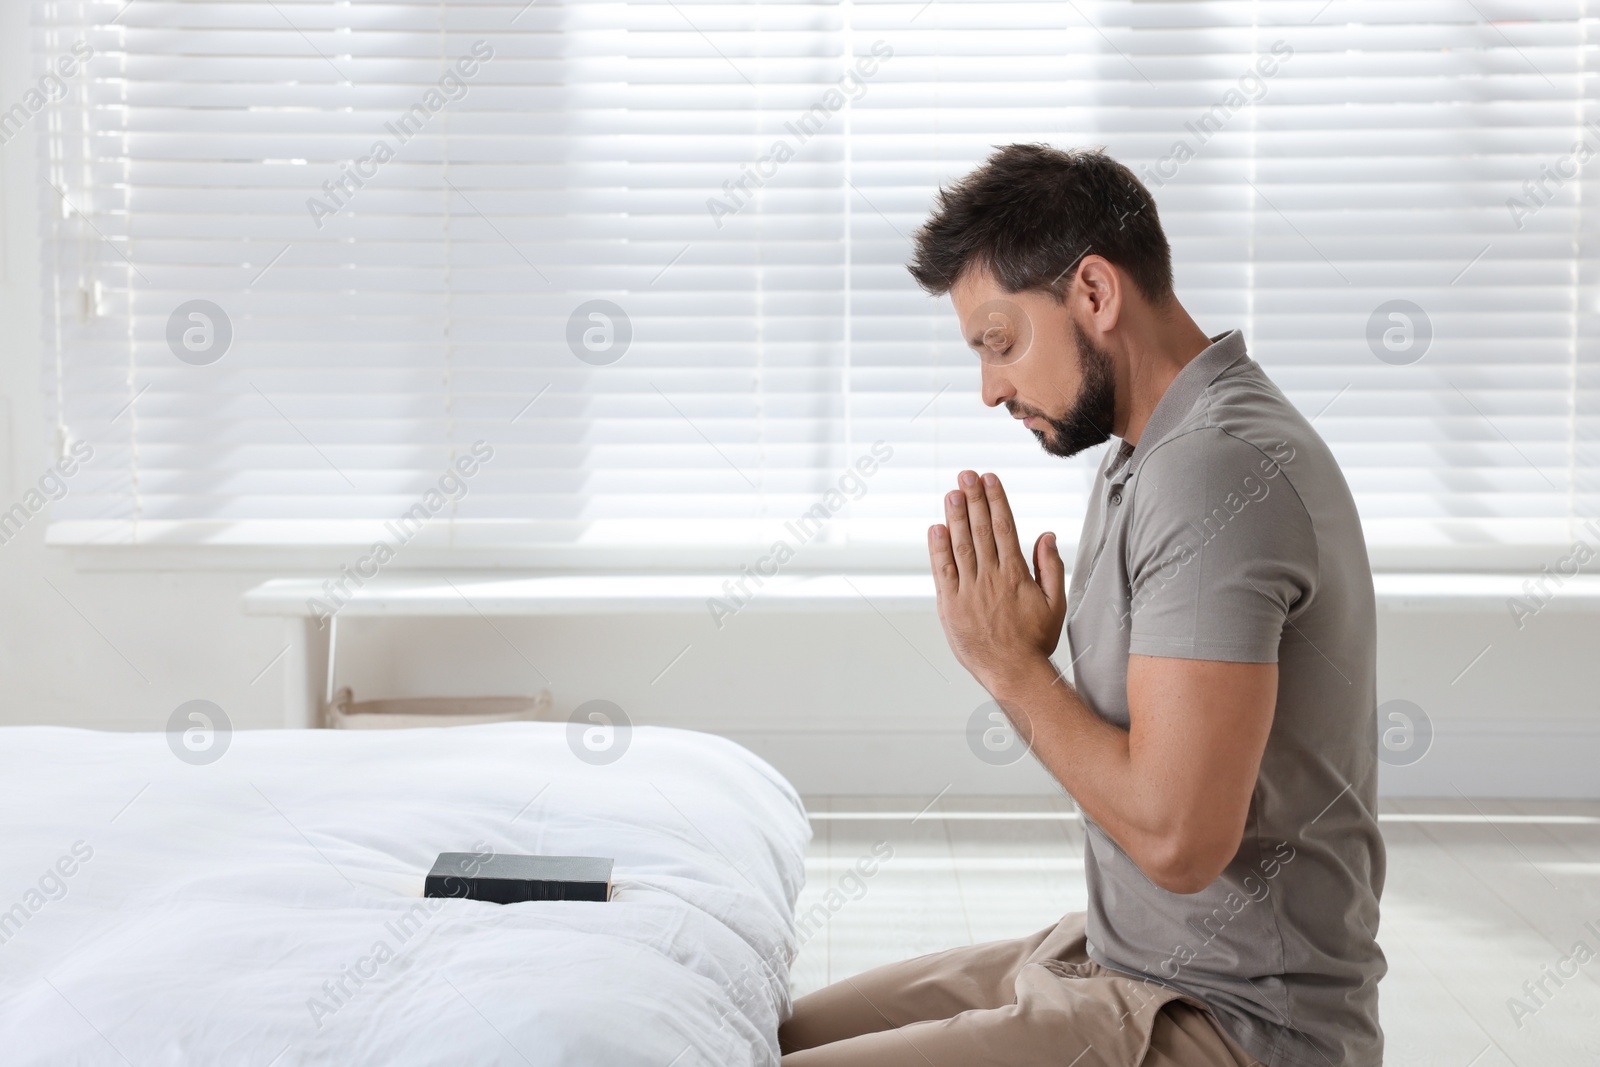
1019	411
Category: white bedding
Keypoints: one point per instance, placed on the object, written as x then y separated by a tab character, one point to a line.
220	906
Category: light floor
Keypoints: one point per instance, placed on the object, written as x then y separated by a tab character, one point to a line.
1482	897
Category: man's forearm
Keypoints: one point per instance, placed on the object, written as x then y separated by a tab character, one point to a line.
1094	761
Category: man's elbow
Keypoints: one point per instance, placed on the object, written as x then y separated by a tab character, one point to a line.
1183	865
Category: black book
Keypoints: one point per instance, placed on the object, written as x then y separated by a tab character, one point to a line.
512	879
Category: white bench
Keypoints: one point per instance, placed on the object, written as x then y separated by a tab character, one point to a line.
312	647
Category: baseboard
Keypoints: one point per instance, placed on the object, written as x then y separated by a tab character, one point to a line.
1486	758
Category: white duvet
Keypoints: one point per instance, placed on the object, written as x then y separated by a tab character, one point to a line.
267	908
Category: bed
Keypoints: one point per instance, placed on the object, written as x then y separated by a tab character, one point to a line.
267	909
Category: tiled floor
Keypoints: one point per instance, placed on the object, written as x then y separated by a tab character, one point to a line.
1482	897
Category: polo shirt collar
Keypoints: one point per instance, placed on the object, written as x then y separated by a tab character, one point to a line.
1225	350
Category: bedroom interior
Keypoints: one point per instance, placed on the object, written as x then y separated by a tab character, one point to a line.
623	314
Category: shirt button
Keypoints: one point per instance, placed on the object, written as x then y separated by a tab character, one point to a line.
1116	498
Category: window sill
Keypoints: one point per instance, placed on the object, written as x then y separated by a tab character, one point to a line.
293	548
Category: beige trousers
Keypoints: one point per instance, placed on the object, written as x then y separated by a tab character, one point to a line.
1034	1002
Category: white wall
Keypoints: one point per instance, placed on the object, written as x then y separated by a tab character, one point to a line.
840	704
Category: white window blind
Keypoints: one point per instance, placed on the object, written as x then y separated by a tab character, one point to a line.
741	181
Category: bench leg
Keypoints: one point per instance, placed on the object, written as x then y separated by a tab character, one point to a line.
305	665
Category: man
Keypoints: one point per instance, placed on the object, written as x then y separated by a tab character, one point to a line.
1219	736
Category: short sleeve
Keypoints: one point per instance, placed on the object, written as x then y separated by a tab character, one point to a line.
1220	549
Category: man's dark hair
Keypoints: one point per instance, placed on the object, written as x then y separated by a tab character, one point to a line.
1031	212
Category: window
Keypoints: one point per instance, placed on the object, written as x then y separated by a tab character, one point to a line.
302	258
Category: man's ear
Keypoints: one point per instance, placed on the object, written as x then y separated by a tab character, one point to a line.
1099	288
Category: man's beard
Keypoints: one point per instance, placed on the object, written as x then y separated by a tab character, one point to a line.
1089	422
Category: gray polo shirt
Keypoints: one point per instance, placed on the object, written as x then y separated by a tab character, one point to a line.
1229	533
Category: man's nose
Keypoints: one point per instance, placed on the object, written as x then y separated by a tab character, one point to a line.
996	389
